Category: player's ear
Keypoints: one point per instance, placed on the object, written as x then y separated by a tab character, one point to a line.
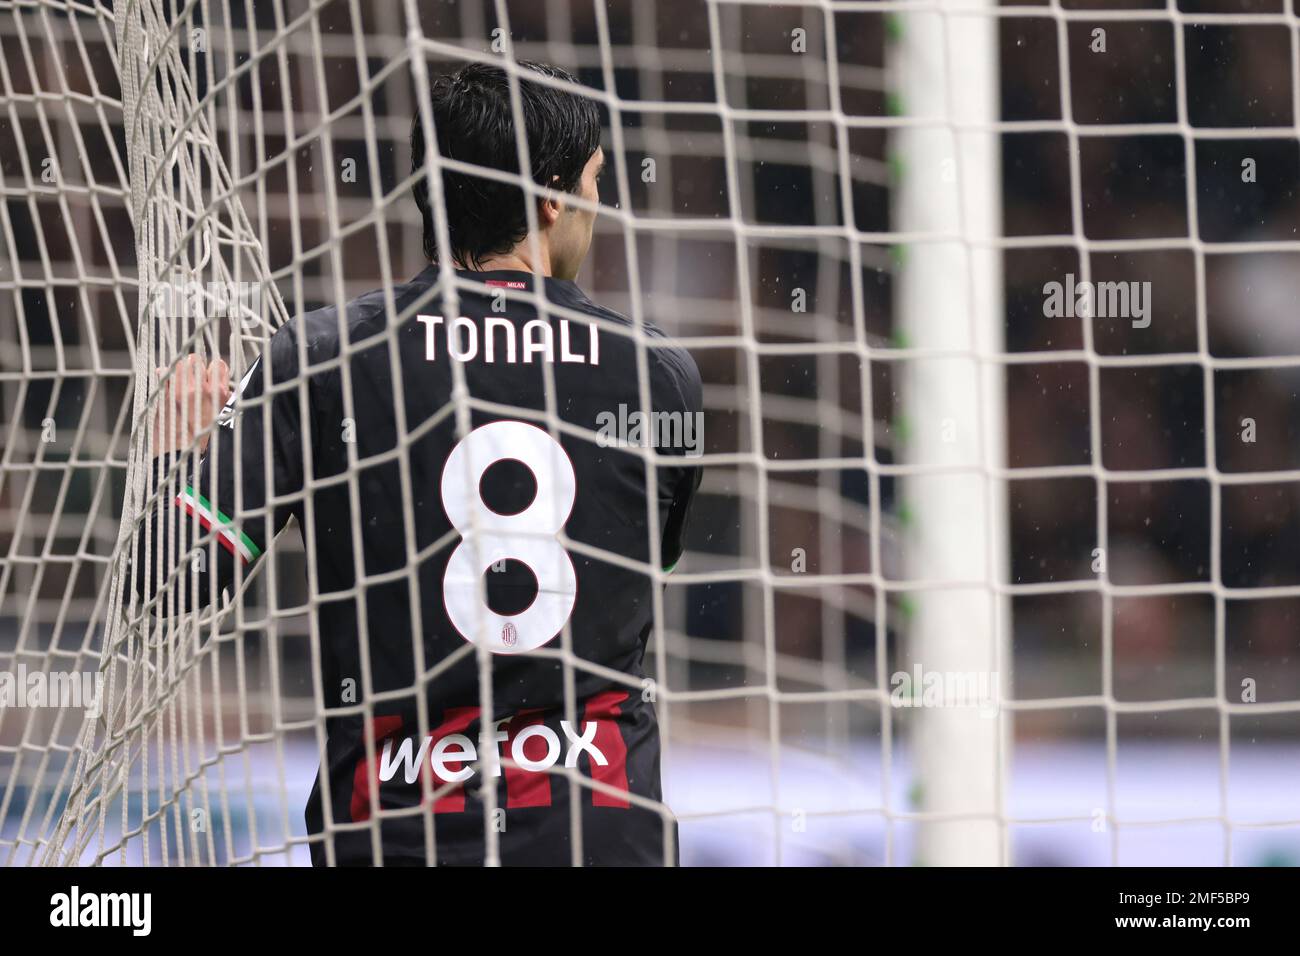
548	211
549	208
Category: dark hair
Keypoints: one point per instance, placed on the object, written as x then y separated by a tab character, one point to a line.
474	124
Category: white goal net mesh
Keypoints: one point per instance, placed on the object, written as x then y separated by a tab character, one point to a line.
997	554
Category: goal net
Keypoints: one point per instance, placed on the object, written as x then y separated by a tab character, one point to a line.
993	561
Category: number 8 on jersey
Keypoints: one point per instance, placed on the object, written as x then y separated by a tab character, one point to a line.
527	537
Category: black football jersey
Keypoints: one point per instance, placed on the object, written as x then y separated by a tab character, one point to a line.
443	513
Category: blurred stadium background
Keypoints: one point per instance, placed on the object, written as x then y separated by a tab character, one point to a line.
1175	785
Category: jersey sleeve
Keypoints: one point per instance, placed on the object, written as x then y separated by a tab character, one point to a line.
223	514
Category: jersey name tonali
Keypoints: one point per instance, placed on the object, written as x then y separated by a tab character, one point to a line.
503	341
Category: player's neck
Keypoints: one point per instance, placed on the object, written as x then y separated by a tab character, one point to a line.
519	259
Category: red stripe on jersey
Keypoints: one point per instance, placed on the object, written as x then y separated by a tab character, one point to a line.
524	788
382	728
454	721
604	710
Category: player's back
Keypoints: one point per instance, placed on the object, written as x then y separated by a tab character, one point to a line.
518	534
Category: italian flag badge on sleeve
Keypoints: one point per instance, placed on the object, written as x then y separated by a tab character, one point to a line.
231	538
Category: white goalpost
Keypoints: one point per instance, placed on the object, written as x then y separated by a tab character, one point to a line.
950	311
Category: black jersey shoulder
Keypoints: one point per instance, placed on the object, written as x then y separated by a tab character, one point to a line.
675	377
365	320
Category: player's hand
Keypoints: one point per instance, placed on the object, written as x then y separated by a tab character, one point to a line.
190	401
